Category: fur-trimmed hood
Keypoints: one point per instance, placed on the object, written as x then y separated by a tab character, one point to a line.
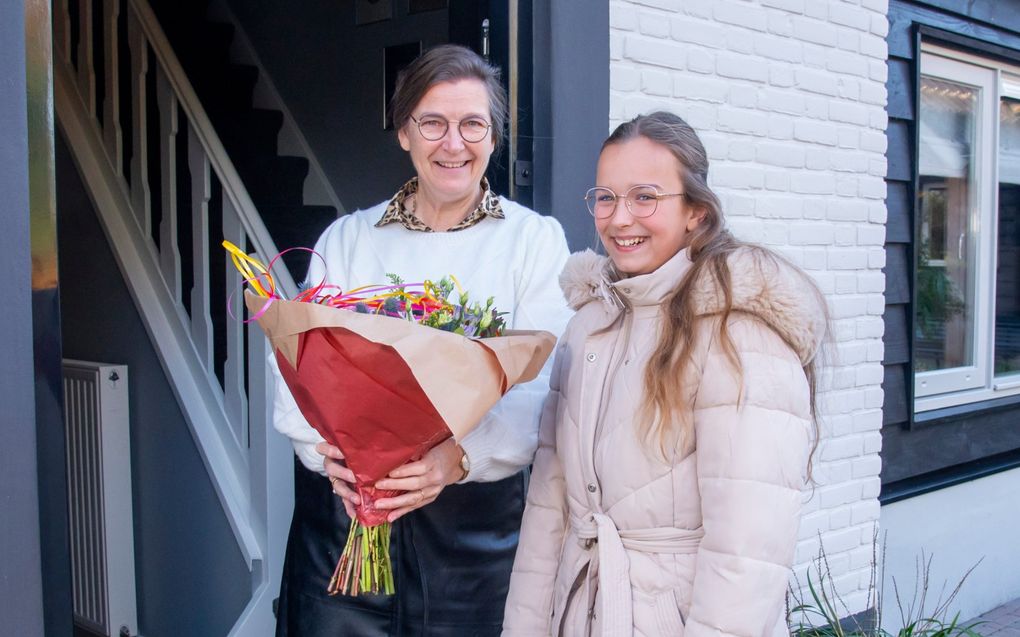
763	284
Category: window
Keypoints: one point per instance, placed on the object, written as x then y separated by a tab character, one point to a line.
967	276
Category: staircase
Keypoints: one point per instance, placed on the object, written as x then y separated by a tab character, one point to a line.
167	193
249	135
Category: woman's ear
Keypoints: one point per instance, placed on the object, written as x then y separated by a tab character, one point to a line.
405	142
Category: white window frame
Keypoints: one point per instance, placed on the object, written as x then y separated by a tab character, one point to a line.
994	80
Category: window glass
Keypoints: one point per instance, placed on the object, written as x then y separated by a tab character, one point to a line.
946	269
1007	273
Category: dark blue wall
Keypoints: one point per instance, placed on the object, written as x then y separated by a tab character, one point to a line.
571	104
20	574
192	579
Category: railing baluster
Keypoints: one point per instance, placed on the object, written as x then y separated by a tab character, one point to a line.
233	368
201	186
86	57
169	253
62	29
140	197
112	137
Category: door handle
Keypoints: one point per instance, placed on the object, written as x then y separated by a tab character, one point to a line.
485	39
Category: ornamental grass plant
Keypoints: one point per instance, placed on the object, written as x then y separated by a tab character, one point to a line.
822	612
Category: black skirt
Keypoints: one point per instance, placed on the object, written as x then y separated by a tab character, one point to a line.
451	564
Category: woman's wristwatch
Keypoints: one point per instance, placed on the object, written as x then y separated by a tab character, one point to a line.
465	464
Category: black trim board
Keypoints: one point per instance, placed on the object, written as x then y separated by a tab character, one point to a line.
904	16
948	477
996	13
950	437
968	44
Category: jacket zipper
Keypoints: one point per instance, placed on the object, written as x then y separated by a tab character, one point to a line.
608	384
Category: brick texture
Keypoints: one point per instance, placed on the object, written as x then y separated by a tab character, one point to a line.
789	97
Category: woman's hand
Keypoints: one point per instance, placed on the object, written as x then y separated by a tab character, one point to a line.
423	480
339	476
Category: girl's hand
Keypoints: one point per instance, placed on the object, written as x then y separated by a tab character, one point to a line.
423	480
339	476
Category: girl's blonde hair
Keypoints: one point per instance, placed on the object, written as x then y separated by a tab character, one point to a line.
710	245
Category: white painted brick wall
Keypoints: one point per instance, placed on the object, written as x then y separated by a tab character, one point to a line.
789	97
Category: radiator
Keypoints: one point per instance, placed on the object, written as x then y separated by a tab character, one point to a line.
99	497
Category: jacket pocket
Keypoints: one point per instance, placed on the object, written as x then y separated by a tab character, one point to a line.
658	615
566	609
668	616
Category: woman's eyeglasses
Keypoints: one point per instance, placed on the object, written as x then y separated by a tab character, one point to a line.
433	128
641	200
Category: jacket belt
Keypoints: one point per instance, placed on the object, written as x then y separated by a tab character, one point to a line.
613	567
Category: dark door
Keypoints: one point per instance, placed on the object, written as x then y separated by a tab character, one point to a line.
340	68
502	30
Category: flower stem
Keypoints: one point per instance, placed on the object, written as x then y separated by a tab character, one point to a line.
364	565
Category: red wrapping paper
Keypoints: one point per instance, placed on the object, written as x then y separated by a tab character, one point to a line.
384	390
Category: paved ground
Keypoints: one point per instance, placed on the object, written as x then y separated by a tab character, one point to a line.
1003	621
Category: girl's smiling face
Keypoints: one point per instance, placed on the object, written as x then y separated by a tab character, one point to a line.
639	245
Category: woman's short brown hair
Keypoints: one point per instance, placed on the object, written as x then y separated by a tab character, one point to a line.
448	63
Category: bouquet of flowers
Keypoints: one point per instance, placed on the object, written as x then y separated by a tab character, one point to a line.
385	373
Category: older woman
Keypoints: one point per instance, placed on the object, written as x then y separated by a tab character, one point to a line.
460	507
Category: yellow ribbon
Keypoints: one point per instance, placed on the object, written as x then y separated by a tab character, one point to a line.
245	265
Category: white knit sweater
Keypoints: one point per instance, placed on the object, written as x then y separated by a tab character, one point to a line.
516	260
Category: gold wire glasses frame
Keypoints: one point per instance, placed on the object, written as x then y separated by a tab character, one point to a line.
642	200
433	128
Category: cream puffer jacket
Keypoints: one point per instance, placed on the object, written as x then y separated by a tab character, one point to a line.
620	540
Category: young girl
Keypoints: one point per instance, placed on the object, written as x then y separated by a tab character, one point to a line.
676	440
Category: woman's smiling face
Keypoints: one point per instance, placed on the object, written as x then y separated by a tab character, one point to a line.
640	245
449	169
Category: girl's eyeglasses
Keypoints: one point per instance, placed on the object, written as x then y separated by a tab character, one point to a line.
642	200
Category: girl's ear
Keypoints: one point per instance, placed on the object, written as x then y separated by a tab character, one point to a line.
697	216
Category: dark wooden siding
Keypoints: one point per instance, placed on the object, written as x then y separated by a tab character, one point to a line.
1003	13
948	439
899	271
932	449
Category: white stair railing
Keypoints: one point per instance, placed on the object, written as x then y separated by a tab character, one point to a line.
218	372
